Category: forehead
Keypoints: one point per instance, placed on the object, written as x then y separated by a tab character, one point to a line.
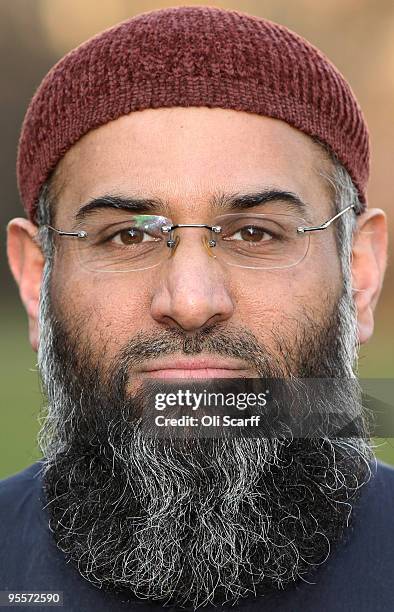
184	156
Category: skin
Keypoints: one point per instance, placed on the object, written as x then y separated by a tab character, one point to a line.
185	155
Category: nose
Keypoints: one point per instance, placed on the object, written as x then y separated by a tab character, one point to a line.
192	291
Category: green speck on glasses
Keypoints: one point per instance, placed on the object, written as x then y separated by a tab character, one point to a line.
114	241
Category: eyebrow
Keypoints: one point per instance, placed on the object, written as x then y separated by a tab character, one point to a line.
263	196
136	205
222	202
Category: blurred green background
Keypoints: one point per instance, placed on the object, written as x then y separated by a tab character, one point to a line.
357	35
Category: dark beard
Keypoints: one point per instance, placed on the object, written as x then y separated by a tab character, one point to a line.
192	524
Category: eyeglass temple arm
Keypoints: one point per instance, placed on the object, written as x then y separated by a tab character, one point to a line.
326	224
80	234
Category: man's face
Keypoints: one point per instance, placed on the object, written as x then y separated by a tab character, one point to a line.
186	157
211	520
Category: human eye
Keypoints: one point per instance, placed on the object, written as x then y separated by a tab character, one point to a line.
252	233
130	236
252	230
142	230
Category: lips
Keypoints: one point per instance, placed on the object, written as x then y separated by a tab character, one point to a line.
201	367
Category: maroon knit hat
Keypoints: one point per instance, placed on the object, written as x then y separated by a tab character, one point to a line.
190	56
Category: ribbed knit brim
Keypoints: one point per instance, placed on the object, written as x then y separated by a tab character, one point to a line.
190	56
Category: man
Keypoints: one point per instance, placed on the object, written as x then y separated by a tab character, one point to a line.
195	184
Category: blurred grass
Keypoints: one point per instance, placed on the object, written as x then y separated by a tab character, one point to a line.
20	392
21	398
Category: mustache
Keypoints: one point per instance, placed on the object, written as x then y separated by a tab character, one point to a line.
237	342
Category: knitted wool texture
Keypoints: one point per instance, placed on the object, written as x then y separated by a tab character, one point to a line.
190	56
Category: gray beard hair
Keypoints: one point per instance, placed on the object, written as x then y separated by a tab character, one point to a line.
218	521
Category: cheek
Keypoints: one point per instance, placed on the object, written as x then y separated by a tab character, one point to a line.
281	300
109	310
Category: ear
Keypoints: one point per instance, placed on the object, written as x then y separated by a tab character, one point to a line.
26	261
369	259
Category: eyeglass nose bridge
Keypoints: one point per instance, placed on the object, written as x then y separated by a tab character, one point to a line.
172	242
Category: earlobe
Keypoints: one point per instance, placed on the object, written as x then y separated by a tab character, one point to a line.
26	262
369	258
